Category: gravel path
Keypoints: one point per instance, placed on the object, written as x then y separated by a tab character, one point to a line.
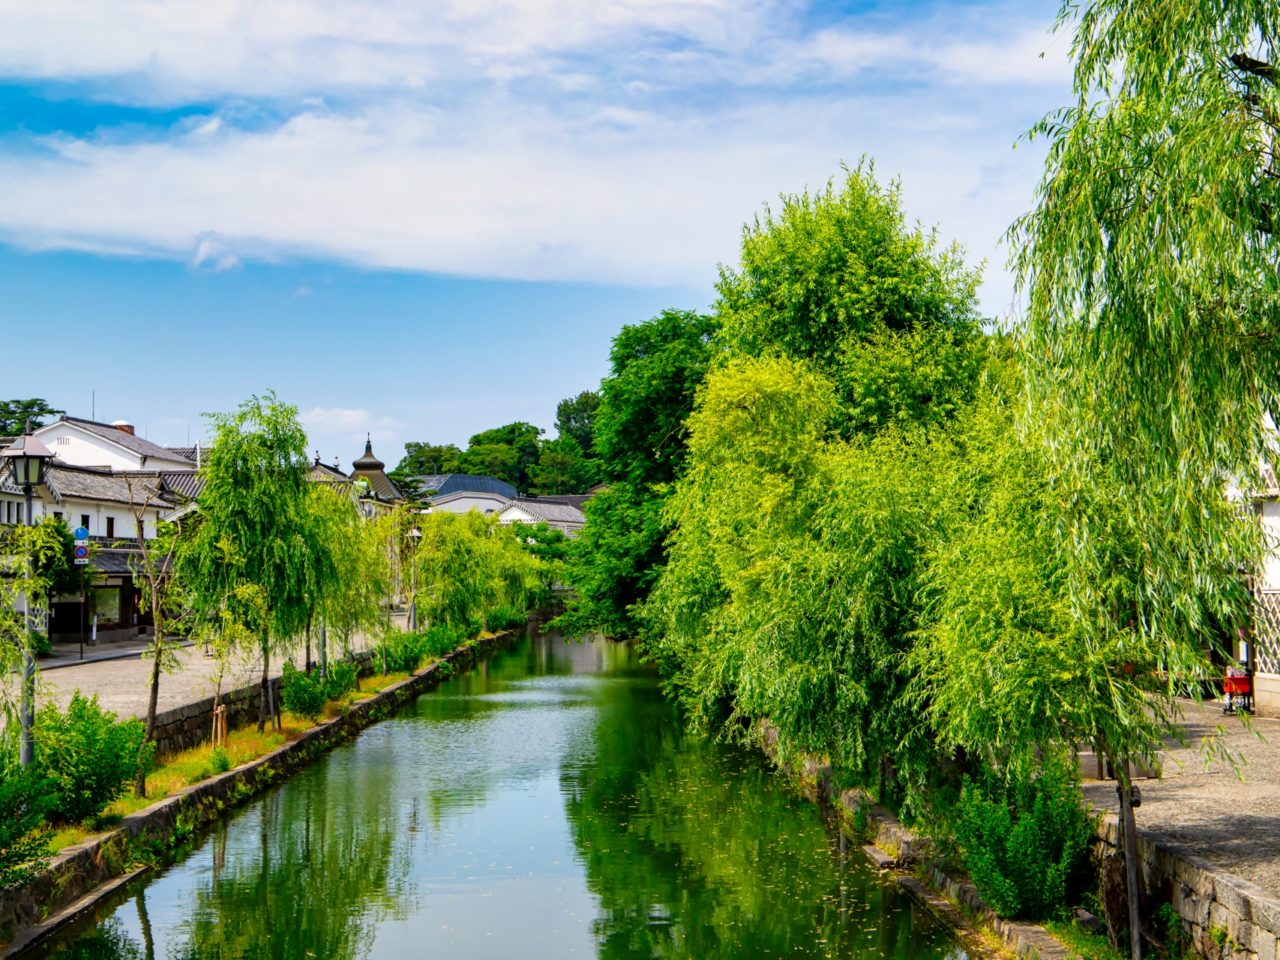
1232	823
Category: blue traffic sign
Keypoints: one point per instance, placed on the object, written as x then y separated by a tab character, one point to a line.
81	551
82	533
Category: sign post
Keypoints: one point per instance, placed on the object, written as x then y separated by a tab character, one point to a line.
80	557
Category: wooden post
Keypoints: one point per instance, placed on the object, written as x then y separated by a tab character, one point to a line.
220	725
1129	832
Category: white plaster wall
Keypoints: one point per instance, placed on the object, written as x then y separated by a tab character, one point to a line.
82	449
465	502
72	510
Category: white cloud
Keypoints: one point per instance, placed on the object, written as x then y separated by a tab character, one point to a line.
340	432
610	140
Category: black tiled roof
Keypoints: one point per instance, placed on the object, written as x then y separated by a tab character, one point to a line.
442	484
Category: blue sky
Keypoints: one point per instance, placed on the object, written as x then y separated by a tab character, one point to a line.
423	219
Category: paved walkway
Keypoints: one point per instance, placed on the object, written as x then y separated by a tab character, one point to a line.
120	676
1232	823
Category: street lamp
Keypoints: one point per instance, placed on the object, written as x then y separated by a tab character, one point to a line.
414	536
26	457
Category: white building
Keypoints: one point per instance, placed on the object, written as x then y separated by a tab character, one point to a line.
1266	635
558	514
87	443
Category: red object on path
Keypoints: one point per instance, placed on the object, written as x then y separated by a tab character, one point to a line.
1237	685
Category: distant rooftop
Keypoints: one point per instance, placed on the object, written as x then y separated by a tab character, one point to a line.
442	484
125	438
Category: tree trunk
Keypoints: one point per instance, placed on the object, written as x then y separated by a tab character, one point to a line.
306	657
323	651
157	655
1129	826
264	692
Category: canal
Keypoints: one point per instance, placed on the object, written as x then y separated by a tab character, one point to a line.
544	805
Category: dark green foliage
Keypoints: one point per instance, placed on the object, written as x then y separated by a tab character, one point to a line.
505	452
303	694
1025	841
15	415
342	676
562	467
404	652
507	618
24	799
88	755
424	459
576	419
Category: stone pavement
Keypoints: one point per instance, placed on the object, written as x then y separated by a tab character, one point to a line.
121	683
1232	823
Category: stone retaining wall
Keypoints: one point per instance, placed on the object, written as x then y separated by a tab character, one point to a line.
1227	917
149	833
191	724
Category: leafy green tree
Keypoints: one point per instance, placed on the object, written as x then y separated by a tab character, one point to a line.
576	420
520	438
15	414
424	459
562	468
256	553
837	264
493	460
1151	265
655	370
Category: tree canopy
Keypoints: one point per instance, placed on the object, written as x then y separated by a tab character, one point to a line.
15	415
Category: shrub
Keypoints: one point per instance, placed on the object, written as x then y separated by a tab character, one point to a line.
303	694
219	760
341	676
1025	841
40	644
24	798
507	618
88	756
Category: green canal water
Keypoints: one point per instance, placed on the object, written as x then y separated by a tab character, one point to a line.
545	805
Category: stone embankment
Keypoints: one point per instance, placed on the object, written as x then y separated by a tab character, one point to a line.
74	879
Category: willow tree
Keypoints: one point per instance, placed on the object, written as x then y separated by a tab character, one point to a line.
1152	272
255	555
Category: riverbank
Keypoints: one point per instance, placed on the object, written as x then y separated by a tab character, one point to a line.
79	876
890	846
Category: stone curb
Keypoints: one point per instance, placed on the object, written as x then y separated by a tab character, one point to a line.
77	873
952	901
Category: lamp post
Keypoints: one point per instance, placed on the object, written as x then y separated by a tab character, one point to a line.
26	456
414	536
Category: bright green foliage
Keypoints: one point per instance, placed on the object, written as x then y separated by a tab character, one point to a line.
25	798
468	565
16	414
88	756
655	370
1153	275
836	265
341	678
1026	841
302	693
850	348
353	597
258	559
404	652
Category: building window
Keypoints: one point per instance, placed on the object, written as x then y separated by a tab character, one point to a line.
84	520
57	514
111	526
64	441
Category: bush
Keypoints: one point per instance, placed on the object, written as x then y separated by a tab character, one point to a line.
88	756
341	677
40	645
406	651
303	694
24	798
1025	841
507	618
219	760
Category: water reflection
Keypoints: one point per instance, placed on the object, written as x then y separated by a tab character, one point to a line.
545	805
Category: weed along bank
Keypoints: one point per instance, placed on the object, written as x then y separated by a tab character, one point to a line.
544	802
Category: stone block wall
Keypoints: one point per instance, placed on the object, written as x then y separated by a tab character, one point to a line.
192	724
1227	917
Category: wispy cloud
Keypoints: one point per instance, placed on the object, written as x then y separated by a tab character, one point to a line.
611	140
